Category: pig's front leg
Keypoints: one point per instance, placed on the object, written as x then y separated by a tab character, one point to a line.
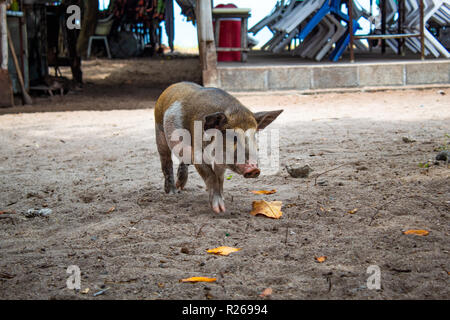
214	185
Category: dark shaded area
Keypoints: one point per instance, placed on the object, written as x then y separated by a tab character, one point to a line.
117	84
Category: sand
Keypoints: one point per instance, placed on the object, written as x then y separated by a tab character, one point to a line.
99	172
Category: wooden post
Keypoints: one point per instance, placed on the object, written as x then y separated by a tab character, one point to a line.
4	37
6	93
206	45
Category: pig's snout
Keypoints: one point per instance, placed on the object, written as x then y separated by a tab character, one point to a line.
250	170
253	173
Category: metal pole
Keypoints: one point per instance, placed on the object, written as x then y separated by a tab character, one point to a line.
403	21
383	25
422	32
350	30
371	24
399	26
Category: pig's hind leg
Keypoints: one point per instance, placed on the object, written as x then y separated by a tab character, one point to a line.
165	156
182	175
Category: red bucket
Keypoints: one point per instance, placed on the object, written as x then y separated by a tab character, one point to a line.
229	36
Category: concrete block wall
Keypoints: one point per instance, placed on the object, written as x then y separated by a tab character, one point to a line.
333	76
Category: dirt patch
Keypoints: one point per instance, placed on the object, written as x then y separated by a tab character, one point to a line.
81	164
117	84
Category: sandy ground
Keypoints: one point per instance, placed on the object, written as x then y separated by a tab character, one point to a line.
82	163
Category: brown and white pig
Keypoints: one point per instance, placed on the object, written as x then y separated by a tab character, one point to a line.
187	105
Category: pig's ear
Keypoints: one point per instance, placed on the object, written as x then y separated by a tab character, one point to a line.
266	117
215	121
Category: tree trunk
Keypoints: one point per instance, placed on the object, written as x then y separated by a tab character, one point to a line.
72	38
88	24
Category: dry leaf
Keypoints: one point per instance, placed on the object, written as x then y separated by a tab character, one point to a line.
161	285
223	251
417	232
198	279
321	259
353	211
266	292
271	209
263	191
85	291
111	209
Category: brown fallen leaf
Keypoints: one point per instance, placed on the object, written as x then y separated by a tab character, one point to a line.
111	209
352	211
271	209
223	251
263	191
266	292
198	279
417	232
321	259
161	285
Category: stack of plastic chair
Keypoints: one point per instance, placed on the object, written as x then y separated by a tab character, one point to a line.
436	10
317	24
334	34
321	25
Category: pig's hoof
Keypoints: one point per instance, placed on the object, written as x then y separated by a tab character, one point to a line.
180	184
217	204
218	209
170	190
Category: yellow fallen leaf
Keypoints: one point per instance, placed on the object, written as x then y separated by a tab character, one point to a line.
263	191
266	292
321	259
198	279
417	232
223	251
111	209
271	209
353	211
85	291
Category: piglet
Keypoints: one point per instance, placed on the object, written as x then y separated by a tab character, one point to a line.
184	115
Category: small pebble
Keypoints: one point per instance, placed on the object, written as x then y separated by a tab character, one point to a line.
185	250
299	172
408	140
443	155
